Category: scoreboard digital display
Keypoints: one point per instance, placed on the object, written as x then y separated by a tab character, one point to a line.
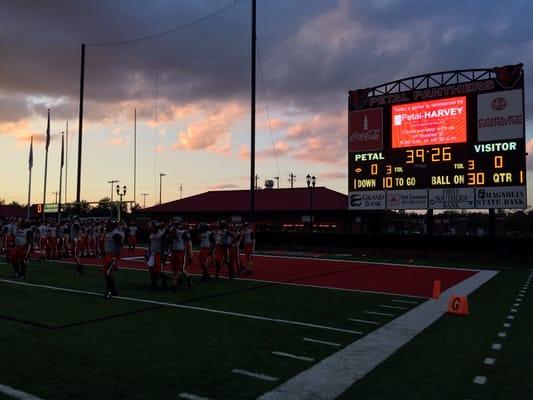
439	145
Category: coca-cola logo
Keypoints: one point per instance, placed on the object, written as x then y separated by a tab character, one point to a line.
371	134
499	103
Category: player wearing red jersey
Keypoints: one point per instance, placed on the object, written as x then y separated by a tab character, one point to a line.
22	248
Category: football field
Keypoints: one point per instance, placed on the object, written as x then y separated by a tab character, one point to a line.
301	328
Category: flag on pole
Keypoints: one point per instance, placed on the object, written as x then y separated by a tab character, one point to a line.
62	150
30	159
48	131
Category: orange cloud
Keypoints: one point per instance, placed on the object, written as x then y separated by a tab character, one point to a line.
223	186
118	141
322	138
213	131
281	148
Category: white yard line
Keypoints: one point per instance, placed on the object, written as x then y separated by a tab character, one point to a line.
17	394
333	375
210	310
289	355
496	346
379	313
321	342
254	375
404	301
393	307
489	361
364	321
190	396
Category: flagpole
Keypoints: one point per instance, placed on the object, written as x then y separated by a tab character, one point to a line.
30	163
61	175
66	166
46	161
134	156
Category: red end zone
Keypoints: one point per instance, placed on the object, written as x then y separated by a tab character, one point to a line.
352	275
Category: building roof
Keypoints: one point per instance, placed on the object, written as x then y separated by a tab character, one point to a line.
11	211
297	199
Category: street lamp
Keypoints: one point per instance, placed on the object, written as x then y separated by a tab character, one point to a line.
311	182
112	182
144	196
121	194
161	175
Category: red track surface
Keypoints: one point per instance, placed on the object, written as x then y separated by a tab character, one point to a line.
394	279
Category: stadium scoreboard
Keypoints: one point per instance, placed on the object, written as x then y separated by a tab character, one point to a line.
439	145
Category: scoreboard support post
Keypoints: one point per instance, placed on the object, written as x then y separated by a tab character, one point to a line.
492	222
429	222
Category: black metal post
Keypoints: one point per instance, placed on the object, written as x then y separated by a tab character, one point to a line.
80	127
430	223
311	188
492	223
252	134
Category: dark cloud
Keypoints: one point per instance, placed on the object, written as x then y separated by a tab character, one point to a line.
311	53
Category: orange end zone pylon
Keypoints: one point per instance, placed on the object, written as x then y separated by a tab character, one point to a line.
436	289
458	305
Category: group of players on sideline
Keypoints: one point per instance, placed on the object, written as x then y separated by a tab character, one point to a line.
219	245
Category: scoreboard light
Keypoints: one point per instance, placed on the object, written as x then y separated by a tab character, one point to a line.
443	151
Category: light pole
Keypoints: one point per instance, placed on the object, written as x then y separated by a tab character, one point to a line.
161	175
120	194
112	182
56	193
311	182
144	196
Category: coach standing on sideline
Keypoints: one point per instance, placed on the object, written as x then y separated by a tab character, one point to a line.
112	245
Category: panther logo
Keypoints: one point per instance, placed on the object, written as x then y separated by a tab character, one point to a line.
358	98
508	75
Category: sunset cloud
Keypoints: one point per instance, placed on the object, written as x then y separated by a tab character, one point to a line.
211	130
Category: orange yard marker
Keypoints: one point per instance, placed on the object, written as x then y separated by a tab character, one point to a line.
458	305
436	289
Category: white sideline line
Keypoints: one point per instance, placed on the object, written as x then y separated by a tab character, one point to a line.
393	307
489	361
332	376
254	375
288	355
17	394
321	342
190	396
364	321
404	301
162	303
379	313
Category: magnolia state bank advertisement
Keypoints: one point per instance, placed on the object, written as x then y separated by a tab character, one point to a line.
429	123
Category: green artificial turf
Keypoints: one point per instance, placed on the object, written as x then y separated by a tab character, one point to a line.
64	345
442	362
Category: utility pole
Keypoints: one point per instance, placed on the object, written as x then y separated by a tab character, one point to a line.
292	178
277	180
181	190
55	193
252	115
80	127
256	181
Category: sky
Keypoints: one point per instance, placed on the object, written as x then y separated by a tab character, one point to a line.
191	88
